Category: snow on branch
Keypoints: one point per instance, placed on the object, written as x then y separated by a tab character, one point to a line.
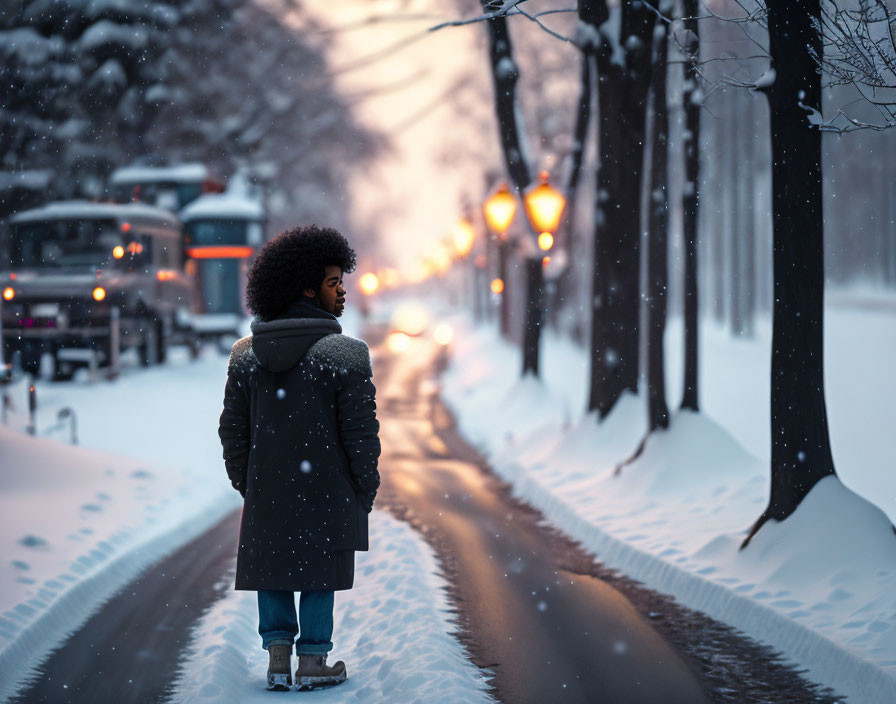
509	8
859	50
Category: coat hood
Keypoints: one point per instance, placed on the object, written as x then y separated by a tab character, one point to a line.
281	343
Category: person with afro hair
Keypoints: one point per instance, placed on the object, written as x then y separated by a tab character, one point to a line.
300	440
293	266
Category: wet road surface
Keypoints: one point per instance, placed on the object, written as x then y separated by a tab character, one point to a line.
536	610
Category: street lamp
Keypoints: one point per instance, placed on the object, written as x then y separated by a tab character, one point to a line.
544	208
463	235
368	284
499	209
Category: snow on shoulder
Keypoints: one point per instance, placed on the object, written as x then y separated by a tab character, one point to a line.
342	353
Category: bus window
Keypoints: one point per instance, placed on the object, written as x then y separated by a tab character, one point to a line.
203	233
63	243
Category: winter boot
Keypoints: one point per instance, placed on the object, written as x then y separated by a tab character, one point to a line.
279	678
314	672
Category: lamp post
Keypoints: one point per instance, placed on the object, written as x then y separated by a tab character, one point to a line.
499	210
369	283
544	206
463	235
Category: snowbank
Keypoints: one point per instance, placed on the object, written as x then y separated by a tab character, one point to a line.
76	526
393	630
820	587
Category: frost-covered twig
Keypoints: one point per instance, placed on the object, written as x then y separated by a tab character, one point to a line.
859	50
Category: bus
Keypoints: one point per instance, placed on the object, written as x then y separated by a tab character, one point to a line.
170	187
222	233
83	281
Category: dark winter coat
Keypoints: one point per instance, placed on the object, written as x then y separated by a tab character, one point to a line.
299	433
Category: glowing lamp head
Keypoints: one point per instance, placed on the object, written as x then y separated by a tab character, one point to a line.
99	293
497	286
463	235
9	293
545	241
544	206
443	334
499	209
369	283
118	251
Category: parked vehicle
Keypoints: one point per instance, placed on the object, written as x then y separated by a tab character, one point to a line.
170	187
87	280
222	232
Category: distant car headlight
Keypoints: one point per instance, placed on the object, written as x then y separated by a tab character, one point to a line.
99	293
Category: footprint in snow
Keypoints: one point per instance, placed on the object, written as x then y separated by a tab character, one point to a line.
33	541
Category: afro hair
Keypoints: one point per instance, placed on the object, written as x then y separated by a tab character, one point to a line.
291	262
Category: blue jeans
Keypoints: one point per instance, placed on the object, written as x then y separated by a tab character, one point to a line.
277	620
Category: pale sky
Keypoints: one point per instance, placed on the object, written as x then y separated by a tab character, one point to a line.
434	97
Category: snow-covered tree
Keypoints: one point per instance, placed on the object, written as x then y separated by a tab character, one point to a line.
77	81
88	85
247	90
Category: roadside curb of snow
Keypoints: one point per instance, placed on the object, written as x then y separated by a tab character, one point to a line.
825	662
30	647
407	652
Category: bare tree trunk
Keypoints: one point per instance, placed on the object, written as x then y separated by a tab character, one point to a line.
690	205
749	219
801	450
720	237
580	136
738	156
622	95
505	75
657	256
